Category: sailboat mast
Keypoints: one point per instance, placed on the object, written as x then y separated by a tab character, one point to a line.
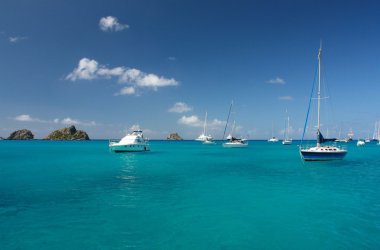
204	125
287	131
319	95
228	117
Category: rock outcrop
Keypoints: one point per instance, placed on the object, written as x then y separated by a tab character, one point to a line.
174	137
70	133
22	134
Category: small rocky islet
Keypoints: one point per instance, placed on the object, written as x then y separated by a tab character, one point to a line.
67	134
22	134
174	137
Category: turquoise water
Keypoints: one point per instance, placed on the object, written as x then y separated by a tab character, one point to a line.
184	195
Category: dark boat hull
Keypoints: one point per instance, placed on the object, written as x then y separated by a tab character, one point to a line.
322	156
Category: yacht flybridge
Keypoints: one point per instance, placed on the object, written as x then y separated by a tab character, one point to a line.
133	142
321	152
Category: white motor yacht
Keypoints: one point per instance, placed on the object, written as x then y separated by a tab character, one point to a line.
133	142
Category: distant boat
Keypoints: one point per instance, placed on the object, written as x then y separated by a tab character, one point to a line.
209	141
339	139
206	139
287	140
133	142
320	152
367	138
375	133
360	143
232	141
350	135
273	138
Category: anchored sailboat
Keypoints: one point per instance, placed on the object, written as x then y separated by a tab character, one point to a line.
320	152
287	140
206	139
233	142
339	138
273	138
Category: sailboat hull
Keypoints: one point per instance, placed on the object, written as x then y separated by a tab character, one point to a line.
311	155
235	145
286	142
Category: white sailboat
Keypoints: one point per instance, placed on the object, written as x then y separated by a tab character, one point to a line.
287	140
321	152
233	142
367	138
375	133
350	135
339	138
273	138
206	139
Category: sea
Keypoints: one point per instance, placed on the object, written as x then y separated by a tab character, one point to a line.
186	195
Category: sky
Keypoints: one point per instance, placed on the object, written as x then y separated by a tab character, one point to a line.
111	66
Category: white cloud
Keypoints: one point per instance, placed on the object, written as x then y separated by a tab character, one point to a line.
69	121
180	107
277	80
192	121
118	71
86	70
89	69
15	39
154	81
126	91
26	118
216	123
286	98
111	23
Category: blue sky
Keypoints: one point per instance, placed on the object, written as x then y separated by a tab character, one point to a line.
106	66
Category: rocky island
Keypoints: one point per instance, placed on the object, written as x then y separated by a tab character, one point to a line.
23	134
174	137
70	133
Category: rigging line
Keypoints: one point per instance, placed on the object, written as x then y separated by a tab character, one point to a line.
308	108
228	117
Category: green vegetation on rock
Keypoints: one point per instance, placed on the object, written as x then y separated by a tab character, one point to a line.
70	133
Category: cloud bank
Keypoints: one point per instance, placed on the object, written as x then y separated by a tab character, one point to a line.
89	69
194	121
64	121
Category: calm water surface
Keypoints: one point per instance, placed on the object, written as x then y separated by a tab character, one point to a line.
184	195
